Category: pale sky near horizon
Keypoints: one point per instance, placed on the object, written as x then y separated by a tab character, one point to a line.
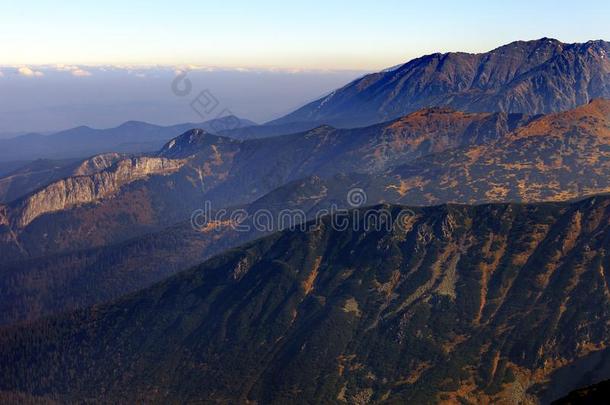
305	35
293	52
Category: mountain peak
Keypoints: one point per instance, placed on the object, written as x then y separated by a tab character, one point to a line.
532	44
133	124
186	144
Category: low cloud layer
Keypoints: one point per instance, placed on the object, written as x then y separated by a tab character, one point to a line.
26	71
104	96
73	70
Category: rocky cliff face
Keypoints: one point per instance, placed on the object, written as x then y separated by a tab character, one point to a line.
70	192
530	77
97	163
486	304
40	173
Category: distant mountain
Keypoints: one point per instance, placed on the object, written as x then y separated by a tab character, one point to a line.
531	77
456	304
130	137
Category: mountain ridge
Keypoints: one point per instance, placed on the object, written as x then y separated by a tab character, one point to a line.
558	156
336	315
414	135
541	76
318	169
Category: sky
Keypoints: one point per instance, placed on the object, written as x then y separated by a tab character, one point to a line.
357	35
101	63
48	99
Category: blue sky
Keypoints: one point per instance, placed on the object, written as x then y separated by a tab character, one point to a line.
306	35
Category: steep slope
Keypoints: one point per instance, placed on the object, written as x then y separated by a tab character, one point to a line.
479	304
532	77
267	130
77	190
133	196
38	287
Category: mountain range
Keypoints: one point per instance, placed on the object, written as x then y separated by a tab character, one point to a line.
481	276
83	141
196	166
432	156
533	77
504	302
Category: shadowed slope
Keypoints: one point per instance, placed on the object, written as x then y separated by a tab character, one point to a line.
452	302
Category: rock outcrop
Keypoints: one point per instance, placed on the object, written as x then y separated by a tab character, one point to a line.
42	172
97	163
72	191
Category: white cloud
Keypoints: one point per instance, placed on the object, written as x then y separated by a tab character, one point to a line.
1	73
74	70
63	68
80	72
26	71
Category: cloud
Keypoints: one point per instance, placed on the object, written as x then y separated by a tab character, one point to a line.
74	70
80	72
1	73
26	71
63	68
